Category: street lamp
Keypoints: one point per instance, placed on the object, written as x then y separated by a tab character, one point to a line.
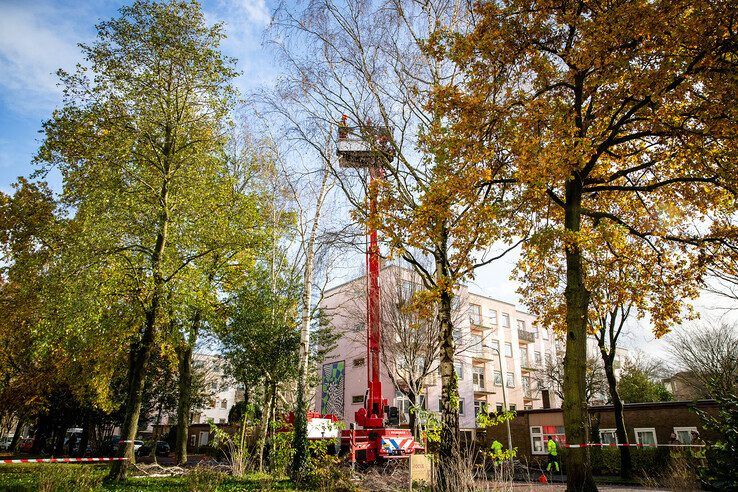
504	397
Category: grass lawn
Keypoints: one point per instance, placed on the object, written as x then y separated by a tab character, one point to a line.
29	477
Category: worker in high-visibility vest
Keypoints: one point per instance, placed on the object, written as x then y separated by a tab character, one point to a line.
553	451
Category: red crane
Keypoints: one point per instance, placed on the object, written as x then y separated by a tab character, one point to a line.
368	147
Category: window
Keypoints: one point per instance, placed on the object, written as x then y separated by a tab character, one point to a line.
498	378
221	421
525	381
539	437
505	320
359	361
356	399
545	333
224	404
459	369
499	408
521	324
508	349
513	407
608	436
478	377
645	435
524	357
480	406
684	434
475	314
359	327
495	344
535	331
213	386
510	380
493	316
538	358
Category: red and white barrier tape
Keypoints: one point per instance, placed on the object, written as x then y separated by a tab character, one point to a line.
631	445
60	460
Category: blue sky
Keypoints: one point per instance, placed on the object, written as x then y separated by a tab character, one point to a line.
37	37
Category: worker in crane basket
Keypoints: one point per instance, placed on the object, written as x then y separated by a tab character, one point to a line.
553	451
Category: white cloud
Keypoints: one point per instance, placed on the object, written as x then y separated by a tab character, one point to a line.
256	11
33	45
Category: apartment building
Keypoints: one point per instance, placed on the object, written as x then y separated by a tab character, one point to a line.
222	393
499	348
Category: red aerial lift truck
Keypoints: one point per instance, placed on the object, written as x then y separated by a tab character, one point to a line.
367	147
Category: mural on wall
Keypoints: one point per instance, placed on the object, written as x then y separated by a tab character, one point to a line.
334	380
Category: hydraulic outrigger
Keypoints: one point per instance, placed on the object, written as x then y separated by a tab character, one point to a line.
368	147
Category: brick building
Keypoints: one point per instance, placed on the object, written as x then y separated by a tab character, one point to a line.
646	423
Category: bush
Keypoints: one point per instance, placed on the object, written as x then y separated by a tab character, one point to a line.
203	479
65	477
720	467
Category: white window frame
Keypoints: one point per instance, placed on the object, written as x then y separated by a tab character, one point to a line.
493	316
505	320
645	429
478	375
613	431
689	429
536	431
510	379
508	345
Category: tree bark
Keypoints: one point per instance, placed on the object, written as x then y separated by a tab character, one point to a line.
16	436
449	478
626	463
412	418
183	402
265	419
578	466
85	437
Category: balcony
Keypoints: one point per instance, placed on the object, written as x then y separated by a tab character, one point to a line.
526	336
479	354
481	390
480	322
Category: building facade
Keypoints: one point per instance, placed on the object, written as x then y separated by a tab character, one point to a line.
498	347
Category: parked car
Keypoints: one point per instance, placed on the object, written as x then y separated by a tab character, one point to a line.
25	445
162	449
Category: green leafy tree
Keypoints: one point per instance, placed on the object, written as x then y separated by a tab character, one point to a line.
261	340
140	147
637	386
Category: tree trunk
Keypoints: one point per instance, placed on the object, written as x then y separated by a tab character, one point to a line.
183	402
138	363
578	466
265	419
413	417
300	443
85	437
16	436
141	350
449	477
626	463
